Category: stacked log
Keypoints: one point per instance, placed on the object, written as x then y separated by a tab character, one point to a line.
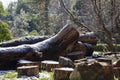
93	70
66	62
89	38
109	61
28	63
116	68
28	71
23	40
48	65
62	73
75	75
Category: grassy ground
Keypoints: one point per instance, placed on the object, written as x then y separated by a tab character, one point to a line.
13	76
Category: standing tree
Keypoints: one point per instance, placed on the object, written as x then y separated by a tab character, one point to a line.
4	32
4	28
99	16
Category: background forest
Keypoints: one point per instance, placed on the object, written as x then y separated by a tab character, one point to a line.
47	17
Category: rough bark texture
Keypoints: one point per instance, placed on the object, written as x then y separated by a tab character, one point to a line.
106	60
116	63
49	65
24	40
28	63
62	73
116	71
54	46
28	71
66	62
95	71
89	37
75	75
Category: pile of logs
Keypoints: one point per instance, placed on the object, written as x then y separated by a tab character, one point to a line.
28	68
96	69
66	41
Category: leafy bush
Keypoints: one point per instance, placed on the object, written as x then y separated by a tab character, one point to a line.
4	32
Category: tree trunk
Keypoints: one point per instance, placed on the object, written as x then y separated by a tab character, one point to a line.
25	40
46	17
66	62
28	71
53	46
48	65
62	73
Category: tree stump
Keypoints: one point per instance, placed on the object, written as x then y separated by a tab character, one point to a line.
116	63
109	61
117	72
66	62
49	65
29	63
95	71
75	75
116	68
28	71
62	73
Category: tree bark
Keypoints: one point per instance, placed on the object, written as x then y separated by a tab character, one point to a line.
25	40
53	46
48	65
62	73
28	71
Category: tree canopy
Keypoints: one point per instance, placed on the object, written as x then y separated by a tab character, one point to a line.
5	33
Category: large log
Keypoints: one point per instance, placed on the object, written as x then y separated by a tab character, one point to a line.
85	38
28	71
53	46
89	37
24	40
48	65
95	70
66	62
62	73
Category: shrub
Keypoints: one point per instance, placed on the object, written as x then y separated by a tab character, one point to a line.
4	32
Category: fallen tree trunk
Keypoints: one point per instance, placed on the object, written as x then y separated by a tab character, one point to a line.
89	38
24	40
85	38
51	48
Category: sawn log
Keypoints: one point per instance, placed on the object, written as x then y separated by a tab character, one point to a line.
51	48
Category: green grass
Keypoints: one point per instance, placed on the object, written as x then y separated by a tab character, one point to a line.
12	75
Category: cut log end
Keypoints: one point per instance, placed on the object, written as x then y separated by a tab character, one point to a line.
116	71
62	73
49	65
28	71
28	63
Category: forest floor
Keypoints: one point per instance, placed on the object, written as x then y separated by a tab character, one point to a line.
13	75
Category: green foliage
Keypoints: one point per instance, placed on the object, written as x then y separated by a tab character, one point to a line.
11	75
4	32
33	33
14	75
2	11
104	47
